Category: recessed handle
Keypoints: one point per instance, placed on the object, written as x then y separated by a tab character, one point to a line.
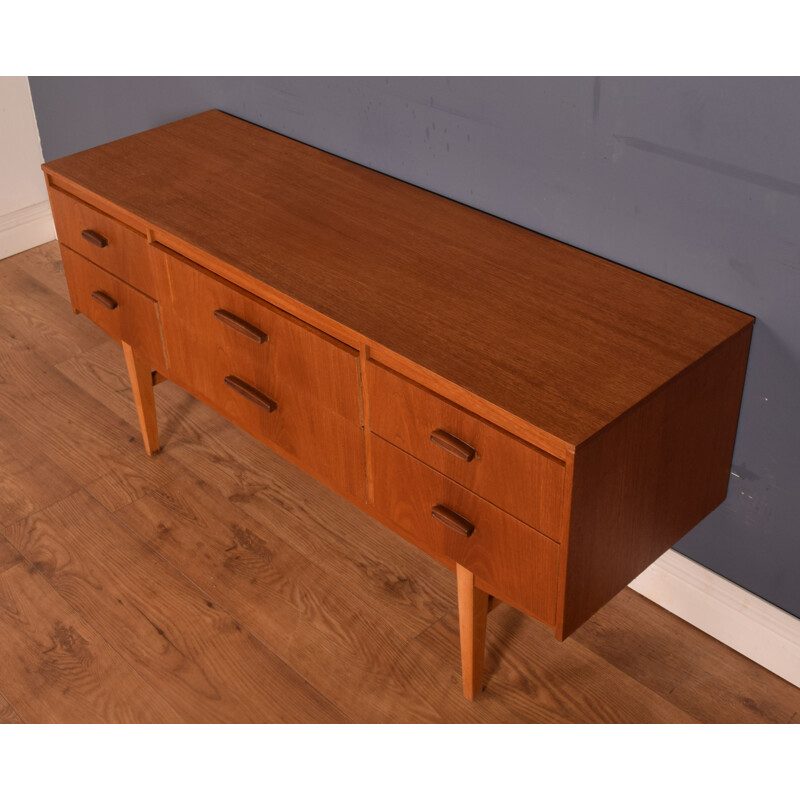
452	520
251	393
95	238
105	300
453	445
240	325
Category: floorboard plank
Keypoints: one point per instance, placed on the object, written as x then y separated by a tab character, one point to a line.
101	373
55	668
204	664
9	555
8	716
29	481
44	264
410	589
680	662
552	682
42	319
259	594
336	640
76	432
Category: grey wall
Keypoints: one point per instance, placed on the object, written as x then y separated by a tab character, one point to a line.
693	180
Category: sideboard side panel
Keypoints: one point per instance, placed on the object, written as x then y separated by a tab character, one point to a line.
647	480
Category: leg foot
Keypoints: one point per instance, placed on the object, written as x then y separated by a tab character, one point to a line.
142	384
473	607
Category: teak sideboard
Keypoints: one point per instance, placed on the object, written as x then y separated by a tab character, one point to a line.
543	422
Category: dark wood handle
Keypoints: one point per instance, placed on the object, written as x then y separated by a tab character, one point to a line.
251	393
95	238
240	325
453	521
105	300
453	445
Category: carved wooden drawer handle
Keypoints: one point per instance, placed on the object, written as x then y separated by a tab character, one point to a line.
453	521
105	300
251	393
453	445
241	326
95	238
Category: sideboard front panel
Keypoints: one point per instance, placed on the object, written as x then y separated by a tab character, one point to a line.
492	463
103	240
517	562
123	312
277	378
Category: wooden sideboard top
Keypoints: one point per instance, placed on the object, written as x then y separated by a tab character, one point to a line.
562	339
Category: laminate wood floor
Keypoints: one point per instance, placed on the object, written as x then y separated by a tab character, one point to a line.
215	582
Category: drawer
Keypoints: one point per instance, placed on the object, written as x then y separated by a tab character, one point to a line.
123	312
318	440
221	329
517	563
96	236
288	385
524	481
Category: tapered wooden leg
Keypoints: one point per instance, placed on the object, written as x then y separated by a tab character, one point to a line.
473	608
142	384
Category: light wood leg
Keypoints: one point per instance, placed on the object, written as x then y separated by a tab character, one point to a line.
142	384
473	608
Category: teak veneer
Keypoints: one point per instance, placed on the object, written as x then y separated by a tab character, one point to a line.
542	421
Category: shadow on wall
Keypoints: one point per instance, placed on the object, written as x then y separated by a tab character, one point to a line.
748	531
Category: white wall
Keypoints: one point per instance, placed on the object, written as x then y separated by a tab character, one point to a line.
25	219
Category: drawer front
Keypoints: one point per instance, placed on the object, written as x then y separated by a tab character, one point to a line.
123	312
96	236
233	332
517	563
492	463
276	378
318	440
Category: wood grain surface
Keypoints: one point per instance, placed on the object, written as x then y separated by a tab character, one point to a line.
556	682
510	560
134	316
293	358
141	381
8	716
125	250
685	666
587	359
509	473
326	576
641	485
572	340
52	414
57	667
473	607
39	318
315	623
9	556
207	666
28	479
299	389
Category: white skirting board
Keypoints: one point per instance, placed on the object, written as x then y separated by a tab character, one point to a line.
751	626
28	227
